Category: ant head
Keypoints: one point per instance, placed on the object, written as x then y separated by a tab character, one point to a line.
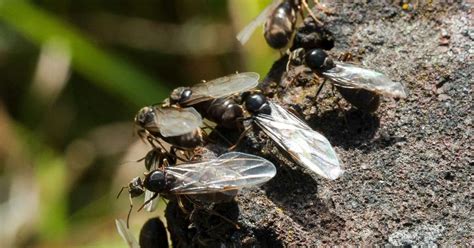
256	104
135	187
180	95
317	59
152	157
144	116
158	158
156	181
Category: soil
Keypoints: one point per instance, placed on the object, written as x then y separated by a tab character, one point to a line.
408	166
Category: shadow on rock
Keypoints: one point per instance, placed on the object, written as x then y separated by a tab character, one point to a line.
265	238
213	225
347	129
296	193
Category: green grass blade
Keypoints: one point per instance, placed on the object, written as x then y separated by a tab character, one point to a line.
107	71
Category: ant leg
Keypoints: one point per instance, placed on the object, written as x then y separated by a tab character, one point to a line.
323	8
242	135
219	134
213	212
140	160
306	6
173	155
148	201
223	137
151	140
151	206
208	140
300	10
181	206
130	210
319	89
187	154
143	134
346	56
290	58
173	150
294	112
165	164
338	102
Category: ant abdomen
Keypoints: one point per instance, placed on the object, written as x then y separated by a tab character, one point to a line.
224	111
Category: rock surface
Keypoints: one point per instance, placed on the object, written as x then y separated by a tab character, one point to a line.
408	167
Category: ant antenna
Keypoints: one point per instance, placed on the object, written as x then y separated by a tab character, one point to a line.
121	190
130	210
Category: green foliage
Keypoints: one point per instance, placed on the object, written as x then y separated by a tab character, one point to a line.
106	70
53	135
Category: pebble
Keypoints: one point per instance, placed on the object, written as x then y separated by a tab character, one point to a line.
443	97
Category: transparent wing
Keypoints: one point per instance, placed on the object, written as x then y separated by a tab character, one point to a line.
244	35
352	76
125	233
177	121
225	86
230	171
308	148
151	206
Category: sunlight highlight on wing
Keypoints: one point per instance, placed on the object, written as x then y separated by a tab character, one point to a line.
230	171
351	76
244	35
307	147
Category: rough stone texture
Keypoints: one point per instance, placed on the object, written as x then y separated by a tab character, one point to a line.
408	167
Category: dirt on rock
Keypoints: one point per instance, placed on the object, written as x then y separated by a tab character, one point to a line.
408	167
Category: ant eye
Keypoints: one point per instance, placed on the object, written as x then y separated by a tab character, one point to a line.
185	95
180	95
140	117
144	116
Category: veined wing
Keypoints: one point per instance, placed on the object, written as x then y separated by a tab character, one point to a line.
230	171
125	233
352	76
150	206
244	35
307	147
224	86
176	121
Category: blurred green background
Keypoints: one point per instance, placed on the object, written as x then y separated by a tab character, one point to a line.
72	76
